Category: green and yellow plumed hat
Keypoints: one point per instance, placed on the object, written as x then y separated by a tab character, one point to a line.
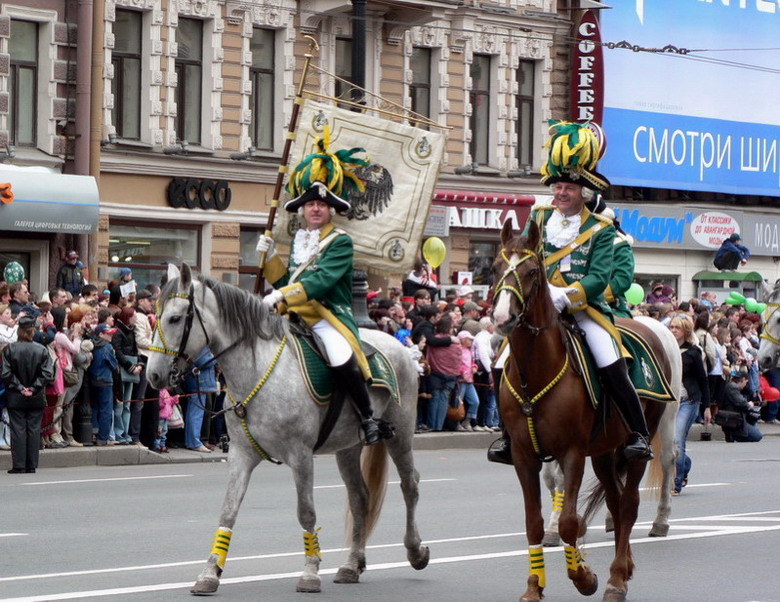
574	154
326	176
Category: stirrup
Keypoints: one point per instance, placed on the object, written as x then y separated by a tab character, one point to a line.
638	448
371	431
502	453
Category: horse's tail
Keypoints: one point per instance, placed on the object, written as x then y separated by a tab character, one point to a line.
656	474
373	466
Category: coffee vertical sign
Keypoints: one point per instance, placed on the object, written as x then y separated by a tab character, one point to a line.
587	82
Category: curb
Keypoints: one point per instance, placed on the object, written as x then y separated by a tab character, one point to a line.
133	456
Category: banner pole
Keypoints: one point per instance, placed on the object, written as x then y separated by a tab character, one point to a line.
283	167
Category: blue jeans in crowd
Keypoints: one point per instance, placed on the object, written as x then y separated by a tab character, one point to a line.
749	434
162	434
122	415
470	398
102	399
441	388
688	412
193	421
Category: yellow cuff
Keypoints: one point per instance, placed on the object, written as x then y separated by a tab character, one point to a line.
274	269
294	294
608	294
579	300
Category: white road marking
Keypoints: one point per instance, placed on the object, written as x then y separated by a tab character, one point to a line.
341	485
166	476
692	486
13	534
713	531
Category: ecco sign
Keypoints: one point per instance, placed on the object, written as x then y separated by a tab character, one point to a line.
206	194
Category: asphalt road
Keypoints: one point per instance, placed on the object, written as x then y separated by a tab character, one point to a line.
143	533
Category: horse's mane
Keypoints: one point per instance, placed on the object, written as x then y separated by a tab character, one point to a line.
244	314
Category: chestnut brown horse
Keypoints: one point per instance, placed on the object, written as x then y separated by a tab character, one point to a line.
545	407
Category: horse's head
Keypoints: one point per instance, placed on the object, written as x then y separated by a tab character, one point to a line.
519	277
769	350
180	333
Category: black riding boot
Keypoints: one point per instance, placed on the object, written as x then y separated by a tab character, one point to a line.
351	379
619	387
502	453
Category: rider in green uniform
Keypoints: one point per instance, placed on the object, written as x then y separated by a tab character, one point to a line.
578	247
317	282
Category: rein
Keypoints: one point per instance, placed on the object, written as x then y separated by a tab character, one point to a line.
765	333
527	405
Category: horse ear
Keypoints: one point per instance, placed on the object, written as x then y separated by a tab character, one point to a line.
173	273
186	276
533	235
506	232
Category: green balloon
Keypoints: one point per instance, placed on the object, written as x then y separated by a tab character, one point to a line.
635	294
751	305
760	308
13	272
736	297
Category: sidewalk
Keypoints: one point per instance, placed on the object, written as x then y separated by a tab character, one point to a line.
121	455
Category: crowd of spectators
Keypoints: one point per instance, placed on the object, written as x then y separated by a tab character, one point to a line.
89	386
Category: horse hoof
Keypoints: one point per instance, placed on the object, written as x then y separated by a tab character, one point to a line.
551	540
205	587
612	594
309	586
659	530
347	575
589	586
420	560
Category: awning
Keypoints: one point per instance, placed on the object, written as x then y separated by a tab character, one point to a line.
730	276
441	195
49	202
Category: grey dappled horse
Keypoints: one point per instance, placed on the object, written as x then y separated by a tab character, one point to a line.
281	419
769	349
663	481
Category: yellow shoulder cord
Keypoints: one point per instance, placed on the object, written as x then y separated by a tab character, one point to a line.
240	408
527	406
577	242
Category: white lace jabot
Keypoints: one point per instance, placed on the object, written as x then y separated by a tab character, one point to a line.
306	244
562	230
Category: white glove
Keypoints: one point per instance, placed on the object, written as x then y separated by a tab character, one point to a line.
560	296
265	244
273	298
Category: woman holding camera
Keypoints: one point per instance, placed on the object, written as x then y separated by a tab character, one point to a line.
734	401
695	393
126	349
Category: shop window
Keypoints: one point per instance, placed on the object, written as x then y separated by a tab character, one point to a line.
262	100
189	72
525	113
22	82
479	97
247	262
481	258
126	85
344	69
147	251
420	88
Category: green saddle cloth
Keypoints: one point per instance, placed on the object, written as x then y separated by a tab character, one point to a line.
643	369
318	376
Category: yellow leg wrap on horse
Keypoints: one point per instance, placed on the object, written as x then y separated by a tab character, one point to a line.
574	558
536	564
557	501
221	545
311	543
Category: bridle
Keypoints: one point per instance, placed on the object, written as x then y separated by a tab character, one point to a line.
503	285
181	357
765	334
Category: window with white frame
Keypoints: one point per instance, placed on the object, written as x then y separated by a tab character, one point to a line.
420	88
23	82
262	99
189	74
526	74
126	84
479	97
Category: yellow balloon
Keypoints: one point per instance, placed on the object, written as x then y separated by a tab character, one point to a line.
434	251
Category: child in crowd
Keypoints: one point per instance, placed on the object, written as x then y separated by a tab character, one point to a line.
167	401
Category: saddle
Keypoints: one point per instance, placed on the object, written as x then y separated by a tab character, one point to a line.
643	368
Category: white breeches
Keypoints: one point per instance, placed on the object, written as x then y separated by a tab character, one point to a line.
336	346
601	345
